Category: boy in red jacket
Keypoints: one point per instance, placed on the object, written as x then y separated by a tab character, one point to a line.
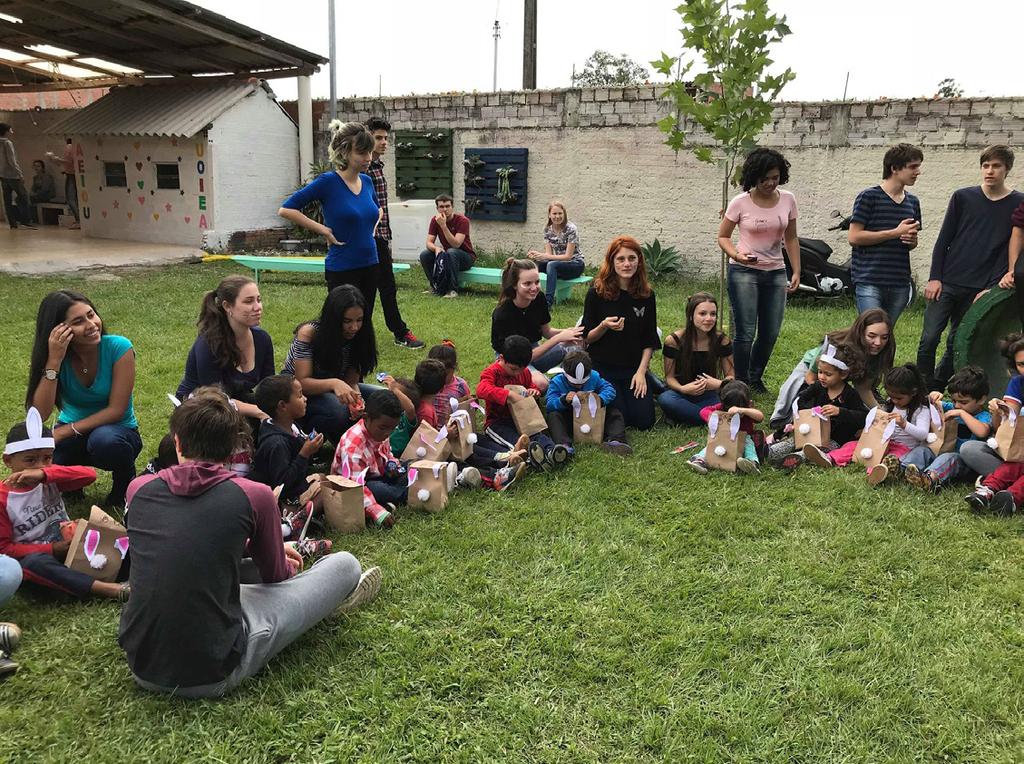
500	431
33	511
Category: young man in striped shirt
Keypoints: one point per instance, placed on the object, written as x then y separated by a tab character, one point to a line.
884	226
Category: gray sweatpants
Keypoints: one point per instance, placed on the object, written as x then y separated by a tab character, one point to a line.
275	615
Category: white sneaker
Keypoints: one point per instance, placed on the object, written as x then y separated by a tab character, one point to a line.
451	471
366	591
452	293
746	466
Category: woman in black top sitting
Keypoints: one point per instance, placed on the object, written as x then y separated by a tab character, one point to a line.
523	310
620	323
698	360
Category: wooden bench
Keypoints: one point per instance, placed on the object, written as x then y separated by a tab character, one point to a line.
493	276
41	216
295	264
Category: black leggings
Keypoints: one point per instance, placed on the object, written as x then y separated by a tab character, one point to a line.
363	279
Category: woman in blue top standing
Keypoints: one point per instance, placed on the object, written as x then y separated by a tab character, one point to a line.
350	211
231	351
90	377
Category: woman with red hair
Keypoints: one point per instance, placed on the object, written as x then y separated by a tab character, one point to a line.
620	323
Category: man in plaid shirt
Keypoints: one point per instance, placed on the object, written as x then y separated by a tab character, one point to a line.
386	276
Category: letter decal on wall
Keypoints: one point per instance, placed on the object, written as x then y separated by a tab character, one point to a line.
200	149
202	202
202	221
85	212
200	167
202	186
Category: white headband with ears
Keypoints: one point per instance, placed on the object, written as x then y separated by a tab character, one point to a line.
828	355
35	439
580	375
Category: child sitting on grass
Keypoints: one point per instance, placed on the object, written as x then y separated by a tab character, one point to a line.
501	434
283	451
735	399
908	407
454	386
835	398
578	376
408	395
32	511
967	389
429	378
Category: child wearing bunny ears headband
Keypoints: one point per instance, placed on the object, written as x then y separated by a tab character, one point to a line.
32	512
831	396
562	396
735	399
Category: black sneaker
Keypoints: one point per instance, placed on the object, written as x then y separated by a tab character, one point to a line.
1002	503
7	666
409	340
978	501
558	455
757	387
538	459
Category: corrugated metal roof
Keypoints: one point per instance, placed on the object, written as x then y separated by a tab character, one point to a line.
157	110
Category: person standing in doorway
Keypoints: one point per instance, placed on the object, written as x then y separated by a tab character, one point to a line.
970	255
883	230
12	181
380	128
67	162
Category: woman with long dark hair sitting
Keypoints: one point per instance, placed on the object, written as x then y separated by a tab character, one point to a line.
330	356
90	377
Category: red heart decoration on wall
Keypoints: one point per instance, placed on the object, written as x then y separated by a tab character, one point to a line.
188	218
104	213
140	199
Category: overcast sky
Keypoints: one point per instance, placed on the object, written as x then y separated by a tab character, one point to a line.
900	48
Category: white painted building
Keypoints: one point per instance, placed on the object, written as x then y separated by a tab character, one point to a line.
184	164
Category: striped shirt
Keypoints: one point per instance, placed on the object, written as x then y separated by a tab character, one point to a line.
886	264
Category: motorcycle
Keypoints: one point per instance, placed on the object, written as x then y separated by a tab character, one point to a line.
822	278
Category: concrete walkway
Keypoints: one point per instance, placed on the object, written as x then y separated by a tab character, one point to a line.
52	249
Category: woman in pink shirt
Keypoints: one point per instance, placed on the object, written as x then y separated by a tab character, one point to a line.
766	218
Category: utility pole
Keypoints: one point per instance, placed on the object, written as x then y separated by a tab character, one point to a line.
530	45
333	106
497	34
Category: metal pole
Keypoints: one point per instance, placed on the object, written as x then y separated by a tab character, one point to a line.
497	34
846	85
333	107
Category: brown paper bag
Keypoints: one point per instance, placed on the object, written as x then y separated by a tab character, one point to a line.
587	418
428	485
98	546
342	500
472	406
1008	440
526	413
941	433
461	436
725	442
874	439
426	443
811	426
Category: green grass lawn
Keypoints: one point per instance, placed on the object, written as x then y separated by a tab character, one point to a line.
621	610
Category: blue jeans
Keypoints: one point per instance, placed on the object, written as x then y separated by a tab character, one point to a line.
549	359
327	415
112	447
757	300
685	409
893	300
443	270
389	491
567	269
10	577
945	467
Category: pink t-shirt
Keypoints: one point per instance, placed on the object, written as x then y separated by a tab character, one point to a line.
762	230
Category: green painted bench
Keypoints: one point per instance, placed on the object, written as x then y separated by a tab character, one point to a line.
296	264
493	276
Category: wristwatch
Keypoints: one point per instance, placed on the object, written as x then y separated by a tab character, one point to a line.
50	374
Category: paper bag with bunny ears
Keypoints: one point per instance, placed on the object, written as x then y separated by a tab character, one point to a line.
429	485
726	442
526	413
427	443
460	425
587	418
470	405
941	432
874	440
811	426
342	500
98	546
1008	441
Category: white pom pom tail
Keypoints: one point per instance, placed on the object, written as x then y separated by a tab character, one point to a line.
805	428
932	437
866	453
421	452
98	561
719	450
423	494
471	438
992	443
585	429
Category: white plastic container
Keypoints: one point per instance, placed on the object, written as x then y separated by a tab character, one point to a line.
409	222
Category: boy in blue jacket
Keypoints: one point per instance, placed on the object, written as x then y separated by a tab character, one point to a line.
578	377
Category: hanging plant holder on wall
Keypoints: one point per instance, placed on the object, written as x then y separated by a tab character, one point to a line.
423	163
496	184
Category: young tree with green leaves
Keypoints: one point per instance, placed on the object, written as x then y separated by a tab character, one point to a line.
731	99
